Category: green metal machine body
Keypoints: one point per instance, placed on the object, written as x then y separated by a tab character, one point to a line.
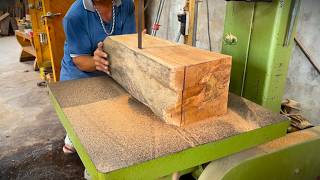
294	157
261	47
265	126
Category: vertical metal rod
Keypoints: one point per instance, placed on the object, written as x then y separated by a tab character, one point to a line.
195	27
294	12
140	25
244	74
158	16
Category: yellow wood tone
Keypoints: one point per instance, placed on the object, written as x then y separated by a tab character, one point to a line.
30	50
190	4
23	35
136	4
55	31
38	27
26	42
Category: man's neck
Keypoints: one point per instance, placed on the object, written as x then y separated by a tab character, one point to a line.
105	9
103	3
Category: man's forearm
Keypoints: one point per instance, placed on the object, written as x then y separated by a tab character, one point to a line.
85	63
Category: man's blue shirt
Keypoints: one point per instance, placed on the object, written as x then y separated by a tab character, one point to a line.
84	31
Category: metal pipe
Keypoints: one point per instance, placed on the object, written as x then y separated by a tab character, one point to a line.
208	25
140	25
157	19
195	27
294	12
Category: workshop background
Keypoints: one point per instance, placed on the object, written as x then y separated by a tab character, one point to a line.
303	79
31	135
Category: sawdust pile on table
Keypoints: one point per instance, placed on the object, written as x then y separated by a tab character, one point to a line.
127	131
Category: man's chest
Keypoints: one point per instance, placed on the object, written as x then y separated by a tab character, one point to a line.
98	30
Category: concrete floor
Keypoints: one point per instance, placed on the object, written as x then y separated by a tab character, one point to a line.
31	136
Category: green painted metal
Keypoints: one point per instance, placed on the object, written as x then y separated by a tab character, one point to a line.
238	23
197	172
301	161
184	160
259	74
199	155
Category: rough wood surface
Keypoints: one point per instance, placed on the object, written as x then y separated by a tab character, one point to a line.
179	83
117	131
5	15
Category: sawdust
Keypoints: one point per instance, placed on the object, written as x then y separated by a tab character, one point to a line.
117	131
289	139
123	132
84	91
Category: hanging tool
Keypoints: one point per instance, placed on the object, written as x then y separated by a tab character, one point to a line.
182	18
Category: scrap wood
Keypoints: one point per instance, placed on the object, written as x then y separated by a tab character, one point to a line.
307	54
5	15
289	106
292	109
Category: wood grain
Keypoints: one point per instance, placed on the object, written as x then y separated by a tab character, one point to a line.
179	83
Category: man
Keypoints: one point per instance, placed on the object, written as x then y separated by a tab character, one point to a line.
86	25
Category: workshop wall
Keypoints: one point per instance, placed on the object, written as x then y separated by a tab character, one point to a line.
303	81
170	26
4	4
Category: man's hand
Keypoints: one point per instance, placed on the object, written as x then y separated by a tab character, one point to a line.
100	59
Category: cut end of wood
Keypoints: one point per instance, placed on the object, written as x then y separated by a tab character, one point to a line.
179	83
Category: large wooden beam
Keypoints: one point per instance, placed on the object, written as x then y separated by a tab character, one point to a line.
179	83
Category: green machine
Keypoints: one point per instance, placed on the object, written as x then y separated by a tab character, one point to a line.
260	37
250	142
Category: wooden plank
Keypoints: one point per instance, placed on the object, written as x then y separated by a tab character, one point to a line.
23	35
5	15
5	26
55	33
30	50
179	83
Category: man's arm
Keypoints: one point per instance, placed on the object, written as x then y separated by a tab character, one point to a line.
92	63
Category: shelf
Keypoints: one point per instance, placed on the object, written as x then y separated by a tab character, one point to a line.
30	50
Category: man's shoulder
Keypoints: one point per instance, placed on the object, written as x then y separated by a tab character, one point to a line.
127	3
127	6
76	11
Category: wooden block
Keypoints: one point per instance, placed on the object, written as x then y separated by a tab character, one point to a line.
179	83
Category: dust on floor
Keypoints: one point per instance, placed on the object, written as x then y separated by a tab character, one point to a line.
31	135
